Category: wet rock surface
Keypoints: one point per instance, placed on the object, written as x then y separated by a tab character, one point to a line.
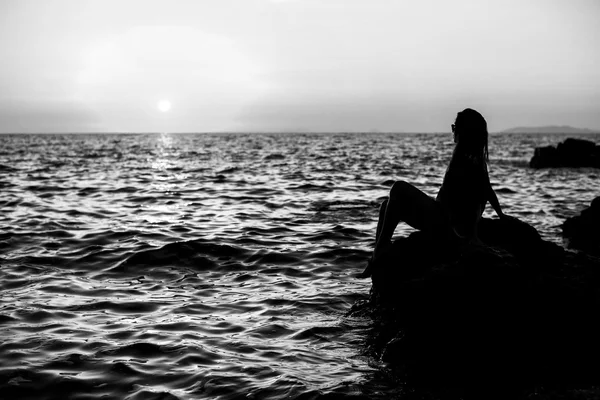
570	153
510	317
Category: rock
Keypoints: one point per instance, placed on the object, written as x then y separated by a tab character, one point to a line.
583	230
517	312
570	153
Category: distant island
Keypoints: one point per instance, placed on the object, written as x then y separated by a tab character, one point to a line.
549	129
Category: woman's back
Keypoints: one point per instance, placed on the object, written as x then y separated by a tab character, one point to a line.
463	192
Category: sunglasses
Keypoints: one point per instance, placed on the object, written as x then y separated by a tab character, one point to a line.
453	128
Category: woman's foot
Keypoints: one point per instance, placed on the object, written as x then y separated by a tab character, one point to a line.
368	270
378	254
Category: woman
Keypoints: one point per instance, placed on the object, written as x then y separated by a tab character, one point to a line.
460	202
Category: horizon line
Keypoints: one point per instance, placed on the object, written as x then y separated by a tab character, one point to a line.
586	131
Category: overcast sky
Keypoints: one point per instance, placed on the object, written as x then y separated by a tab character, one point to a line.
296	65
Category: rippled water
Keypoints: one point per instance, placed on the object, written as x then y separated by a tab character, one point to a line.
190	266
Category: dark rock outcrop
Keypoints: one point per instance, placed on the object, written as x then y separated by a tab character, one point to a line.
515	315
572	152
583	230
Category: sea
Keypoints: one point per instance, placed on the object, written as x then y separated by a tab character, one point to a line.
221	266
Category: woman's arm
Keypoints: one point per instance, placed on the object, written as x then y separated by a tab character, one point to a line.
491	196
493	199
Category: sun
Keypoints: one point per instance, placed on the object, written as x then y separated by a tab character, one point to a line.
163	105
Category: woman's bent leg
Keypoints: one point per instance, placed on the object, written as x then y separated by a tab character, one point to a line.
368	270
382	208
409	204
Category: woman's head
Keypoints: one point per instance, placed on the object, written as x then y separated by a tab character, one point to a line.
470	133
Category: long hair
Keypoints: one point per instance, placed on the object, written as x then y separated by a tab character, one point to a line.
472	134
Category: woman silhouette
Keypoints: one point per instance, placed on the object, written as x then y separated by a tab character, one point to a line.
460	202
